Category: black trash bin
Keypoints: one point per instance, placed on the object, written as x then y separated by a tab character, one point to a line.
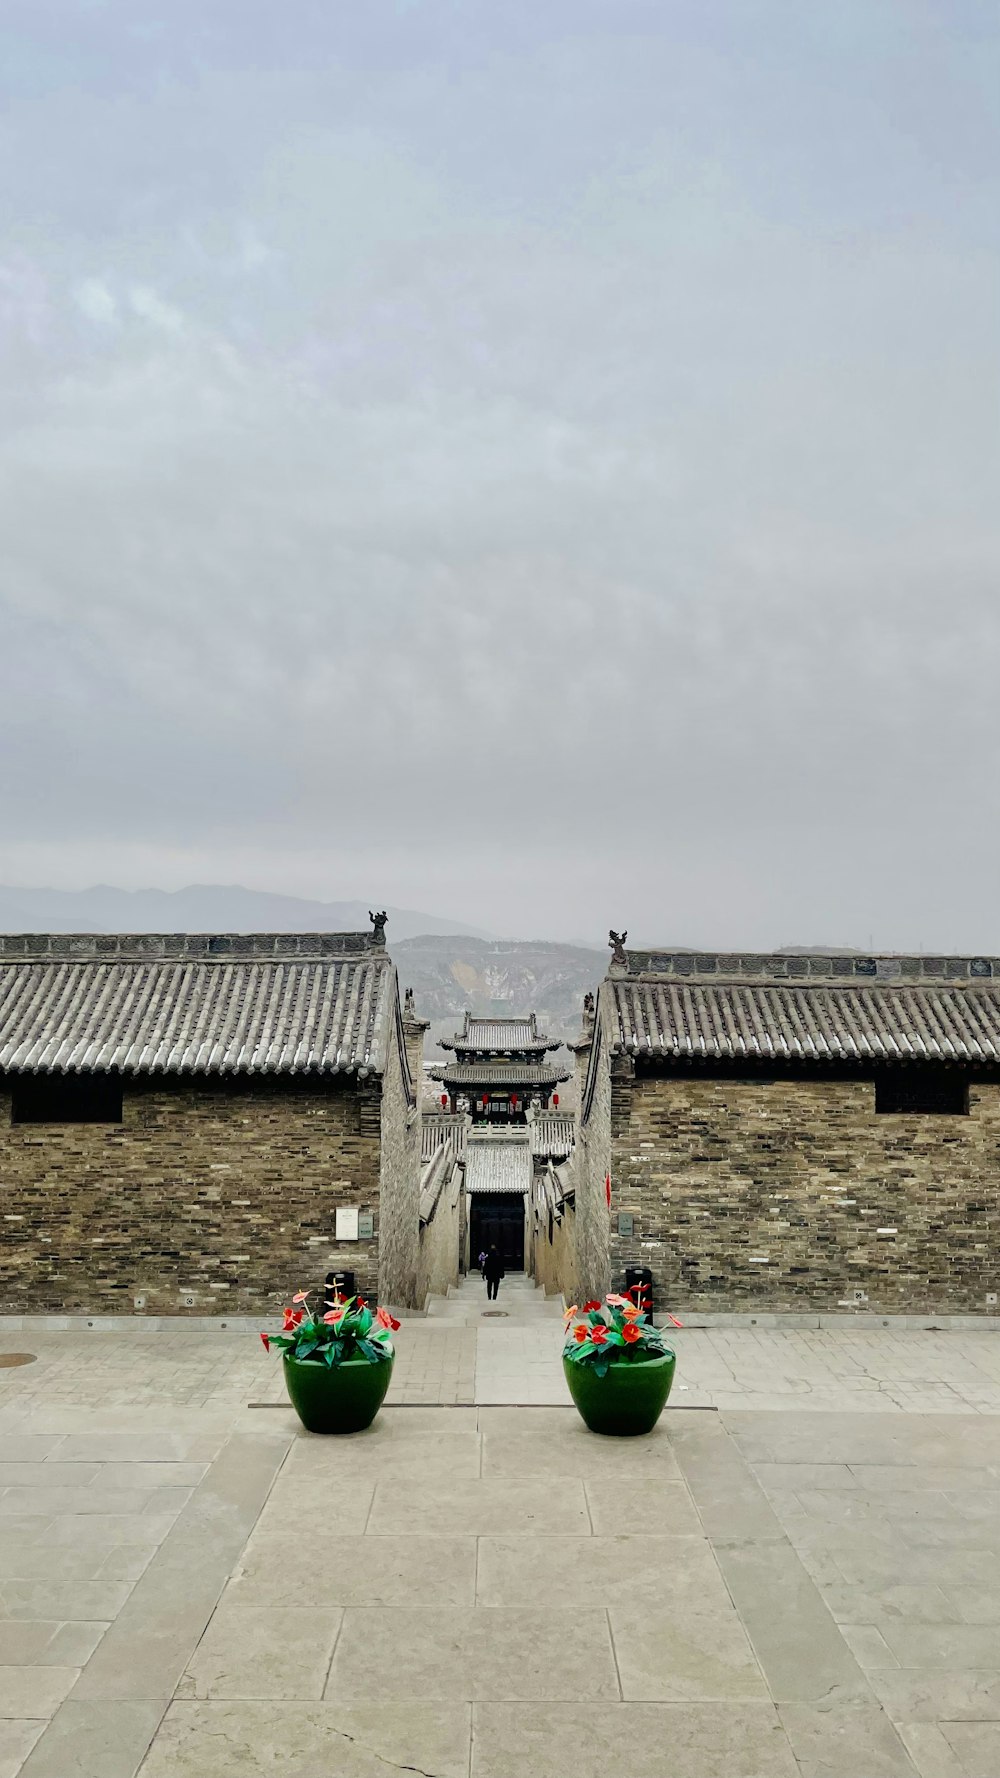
639	1289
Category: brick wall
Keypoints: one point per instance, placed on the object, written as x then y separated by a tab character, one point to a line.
591	1161
223	1194
554	1262
793	1194
440	1238
399	1220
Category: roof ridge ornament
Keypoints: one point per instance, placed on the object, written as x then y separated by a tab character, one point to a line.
619	961
379	923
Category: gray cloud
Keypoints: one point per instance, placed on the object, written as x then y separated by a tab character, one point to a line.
541	470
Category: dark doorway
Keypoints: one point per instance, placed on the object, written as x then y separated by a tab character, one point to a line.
496	1219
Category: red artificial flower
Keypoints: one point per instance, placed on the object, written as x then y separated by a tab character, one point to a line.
384	1319
332	1316
292	1320
581	1333
267	1343
591	1305
631	1333
570	1312
631	1313
598	1334
620	1302
300	1296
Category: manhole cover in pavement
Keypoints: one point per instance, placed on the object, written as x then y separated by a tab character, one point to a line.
494	1314
8	1360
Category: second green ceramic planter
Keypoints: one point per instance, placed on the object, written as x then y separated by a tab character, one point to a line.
627	1400
336	1397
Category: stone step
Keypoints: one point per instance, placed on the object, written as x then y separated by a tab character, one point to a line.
519	1301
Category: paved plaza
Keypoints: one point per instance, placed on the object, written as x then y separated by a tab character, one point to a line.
796	1576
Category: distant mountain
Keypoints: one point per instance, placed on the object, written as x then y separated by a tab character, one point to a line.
451	975
203	907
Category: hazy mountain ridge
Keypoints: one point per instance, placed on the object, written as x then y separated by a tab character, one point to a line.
201	907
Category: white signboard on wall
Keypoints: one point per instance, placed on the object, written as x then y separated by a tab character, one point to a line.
347	1222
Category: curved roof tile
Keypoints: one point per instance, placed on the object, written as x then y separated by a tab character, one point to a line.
248	1015
785	1021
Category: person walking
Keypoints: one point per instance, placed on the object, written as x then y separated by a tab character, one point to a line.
482	1265
493	1272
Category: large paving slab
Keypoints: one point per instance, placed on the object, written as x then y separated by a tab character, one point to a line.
802	1585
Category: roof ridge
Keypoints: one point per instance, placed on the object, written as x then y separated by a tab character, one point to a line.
791	966
187	947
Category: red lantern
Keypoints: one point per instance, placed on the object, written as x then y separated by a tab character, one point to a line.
555	1100
513	1101
444	1101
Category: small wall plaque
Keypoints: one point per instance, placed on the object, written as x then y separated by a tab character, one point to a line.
626	1223
366	1225
347	1222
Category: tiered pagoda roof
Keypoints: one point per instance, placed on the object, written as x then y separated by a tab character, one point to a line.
502	1073
499	1037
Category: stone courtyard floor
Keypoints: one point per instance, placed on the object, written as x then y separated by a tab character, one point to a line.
796	1576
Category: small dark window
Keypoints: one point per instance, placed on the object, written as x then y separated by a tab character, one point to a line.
66	1099
928	1092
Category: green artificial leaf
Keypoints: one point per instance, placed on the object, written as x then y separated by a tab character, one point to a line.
601	1367
328	1355
306	1347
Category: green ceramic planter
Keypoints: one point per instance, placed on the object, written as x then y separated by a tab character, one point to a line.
338	1397
627	1400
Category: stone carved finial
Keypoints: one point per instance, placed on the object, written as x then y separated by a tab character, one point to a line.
378	922
588	1004
617	942
409	1005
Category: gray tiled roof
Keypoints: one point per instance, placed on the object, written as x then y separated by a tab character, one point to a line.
196	1003
883	1021
439	1129
503	1035
498	1074
436	1172
498	1164
552	1135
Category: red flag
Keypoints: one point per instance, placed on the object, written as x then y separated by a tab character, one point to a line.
607	1188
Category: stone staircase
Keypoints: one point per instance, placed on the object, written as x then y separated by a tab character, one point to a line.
519	1301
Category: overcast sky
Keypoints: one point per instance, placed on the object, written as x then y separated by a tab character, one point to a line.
534	461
